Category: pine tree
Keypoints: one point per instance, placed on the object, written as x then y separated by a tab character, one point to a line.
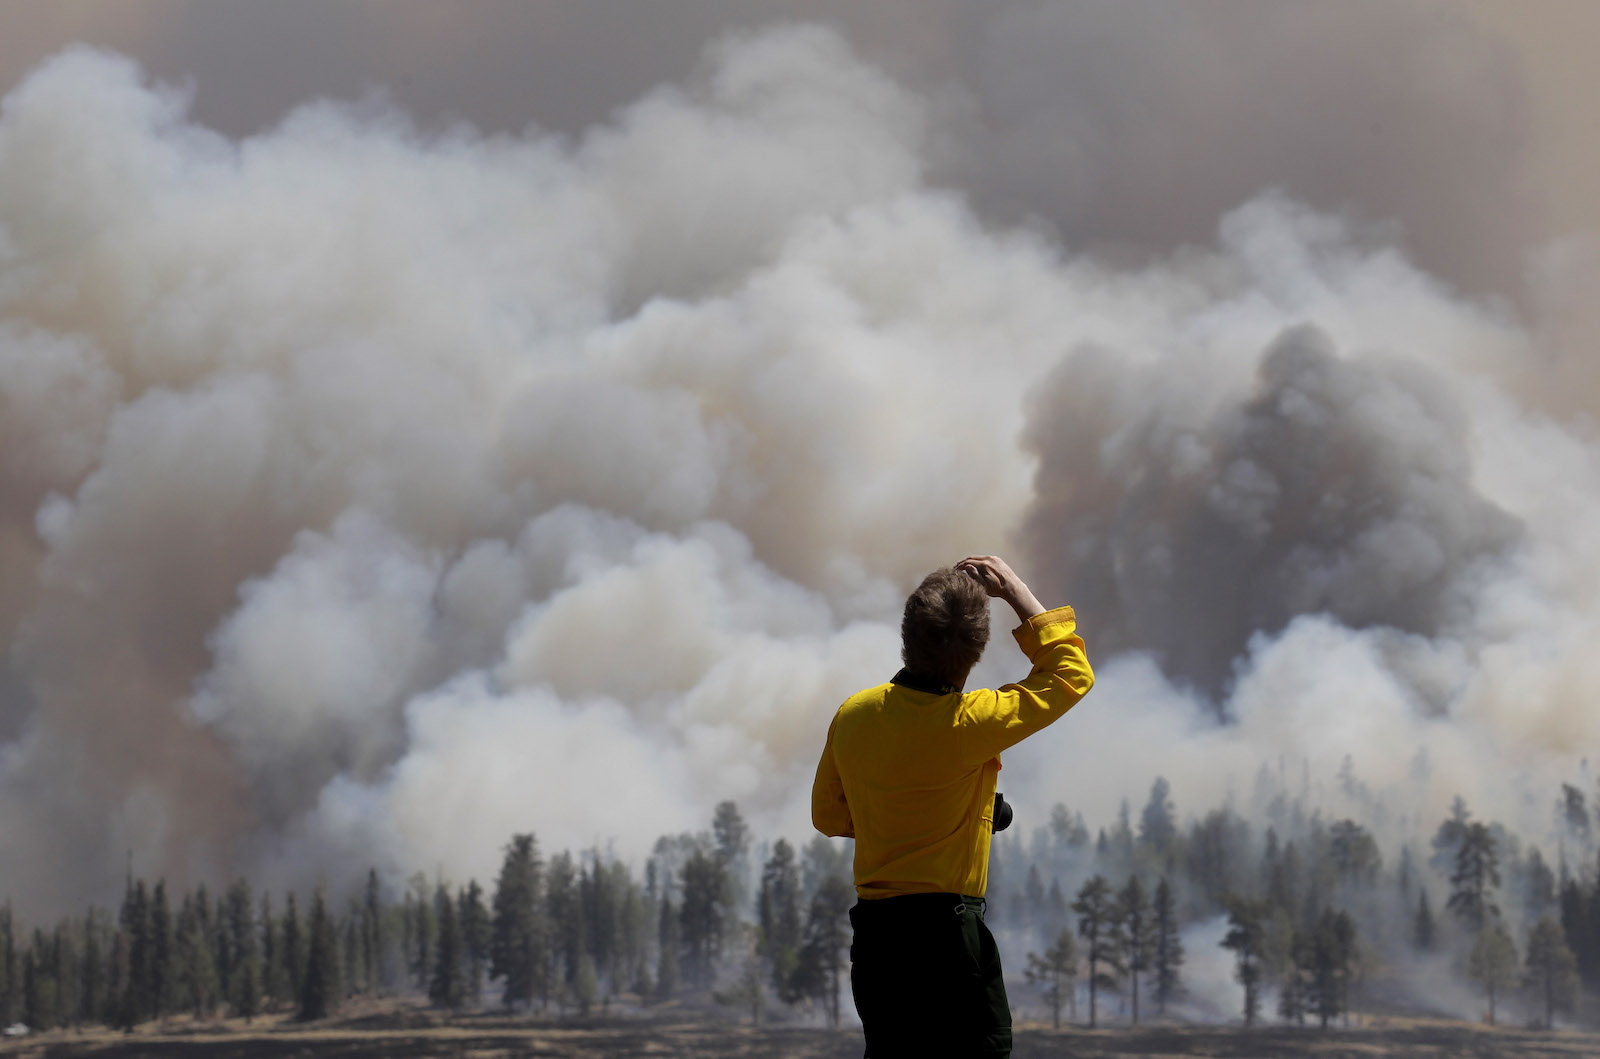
668	946
198	971
1476	876
1576	924
1539	889
117	978
820	967
1447	839
1246	937
68	971
220	940
1332	953
351	975
585	984
732	838
1292	986
637	917
1424	932
274	981
1589	942
294	950
1138	930
162	965
747	990
135	920
1354	853
1492	963
704	915
1033	895
1097	926
1405	875
1167	954
424	931
778	916
1157	823
563	910
93	980
1056	973
372	933
518	946
597	901
1552	969
319	989
1574	815
447	989
35	1003
1067	830
1055	909
244	985
473	919
45	992
10	969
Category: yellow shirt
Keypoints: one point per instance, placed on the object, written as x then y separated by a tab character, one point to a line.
910	775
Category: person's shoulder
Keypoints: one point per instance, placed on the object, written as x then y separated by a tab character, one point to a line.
866	697
864	702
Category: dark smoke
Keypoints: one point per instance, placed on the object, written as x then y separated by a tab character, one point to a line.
1334	487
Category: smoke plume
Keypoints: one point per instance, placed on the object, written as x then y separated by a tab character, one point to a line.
369	493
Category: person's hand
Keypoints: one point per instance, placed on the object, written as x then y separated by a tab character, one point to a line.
1001	582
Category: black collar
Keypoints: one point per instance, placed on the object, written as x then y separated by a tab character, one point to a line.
923	682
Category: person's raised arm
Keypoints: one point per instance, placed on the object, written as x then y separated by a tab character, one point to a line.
996	719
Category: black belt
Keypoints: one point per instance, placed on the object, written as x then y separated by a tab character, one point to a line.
923	904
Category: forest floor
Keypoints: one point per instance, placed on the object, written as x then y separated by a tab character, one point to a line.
411	1034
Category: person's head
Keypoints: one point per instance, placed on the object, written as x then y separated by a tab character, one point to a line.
946	626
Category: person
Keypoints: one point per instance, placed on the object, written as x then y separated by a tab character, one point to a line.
909	771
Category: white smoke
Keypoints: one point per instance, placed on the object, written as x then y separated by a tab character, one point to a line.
370	495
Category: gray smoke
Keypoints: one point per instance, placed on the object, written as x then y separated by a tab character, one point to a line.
1187	522
369	493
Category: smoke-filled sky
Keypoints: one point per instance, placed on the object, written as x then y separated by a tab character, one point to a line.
421	424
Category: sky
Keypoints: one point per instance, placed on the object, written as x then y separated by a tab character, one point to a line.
424	424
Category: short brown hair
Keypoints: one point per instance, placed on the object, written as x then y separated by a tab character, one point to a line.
946	625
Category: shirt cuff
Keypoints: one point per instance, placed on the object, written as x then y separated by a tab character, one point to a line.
1031	634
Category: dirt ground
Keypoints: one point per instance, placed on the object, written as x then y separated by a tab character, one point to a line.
696	1034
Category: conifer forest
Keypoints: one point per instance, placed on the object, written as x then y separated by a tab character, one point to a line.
1271	912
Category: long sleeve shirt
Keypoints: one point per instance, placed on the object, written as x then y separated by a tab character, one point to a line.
910	774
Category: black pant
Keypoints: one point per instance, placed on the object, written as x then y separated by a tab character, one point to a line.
925	973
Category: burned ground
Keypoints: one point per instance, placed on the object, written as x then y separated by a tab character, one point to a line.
397	1036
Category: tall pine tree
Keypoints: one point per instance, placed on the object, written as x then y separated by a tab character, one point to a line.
1056	973
519	946
473	919
238	917
1166	957
294	949
135	1004
778	915
319	988
704	914
1097	926
1137	926
1246	936
447	988
1475	878
372	934
1492	963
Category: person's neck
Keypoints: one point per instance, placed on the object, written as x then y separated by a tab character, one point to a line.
932	683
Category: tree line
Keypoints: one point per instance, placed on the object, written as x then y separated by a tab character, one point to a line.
1311	909
1313	912
565	931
